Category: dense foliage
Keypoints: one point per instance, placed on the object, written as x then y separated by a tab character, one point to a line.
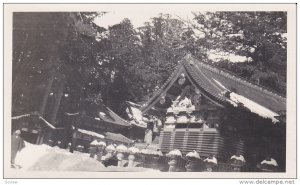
259	36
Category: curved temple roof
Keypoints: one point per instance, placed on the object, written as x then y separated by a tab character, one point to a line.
214	82
117	137
111	117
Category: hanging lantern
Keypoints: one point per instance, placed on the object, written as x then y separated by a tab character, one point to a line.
162	100
197	91
181	79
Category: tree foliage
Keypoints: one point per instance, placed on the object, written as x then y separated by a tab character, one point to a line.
259	36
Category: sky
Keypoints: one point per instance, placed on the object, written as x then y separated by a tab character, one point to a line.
138	17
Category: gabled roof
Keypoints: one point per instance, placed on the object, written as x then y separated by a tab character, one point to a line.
213	82
90	133
135	114
107	115
104	114
208	76
34	116
117	137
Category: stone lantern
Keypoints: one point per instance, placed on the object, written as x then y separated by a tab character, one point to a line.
93	148
268	165
109	152
192	161
121	150
237	162
174	158
210	163
131	157
100	150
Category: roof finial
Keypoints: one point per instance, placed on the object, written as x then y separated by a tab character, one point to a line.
188	55
188	58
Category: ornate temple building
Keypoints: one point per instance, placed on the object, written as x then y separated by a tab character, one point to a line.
206	109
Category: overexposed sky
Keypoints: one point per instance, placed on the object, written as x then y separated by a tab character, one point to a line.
139	17
228	56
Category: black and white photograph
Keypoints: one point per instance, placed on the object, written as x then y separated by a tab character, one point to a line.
150	89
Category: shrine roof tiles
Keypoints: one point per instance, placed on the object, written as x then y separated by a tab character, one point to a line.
213	81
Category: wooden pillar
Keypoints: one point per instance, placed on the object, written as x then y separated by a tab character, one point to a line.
58	98
47	92
185	141
38	139
42	139
200	141
172	139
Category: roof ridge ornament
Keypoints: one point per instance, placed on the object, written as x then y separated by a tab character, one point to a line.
191	62
188	56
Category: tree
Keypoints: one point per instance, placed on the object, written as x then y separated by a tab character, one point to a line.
165	40
42	60
33	60
259	36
